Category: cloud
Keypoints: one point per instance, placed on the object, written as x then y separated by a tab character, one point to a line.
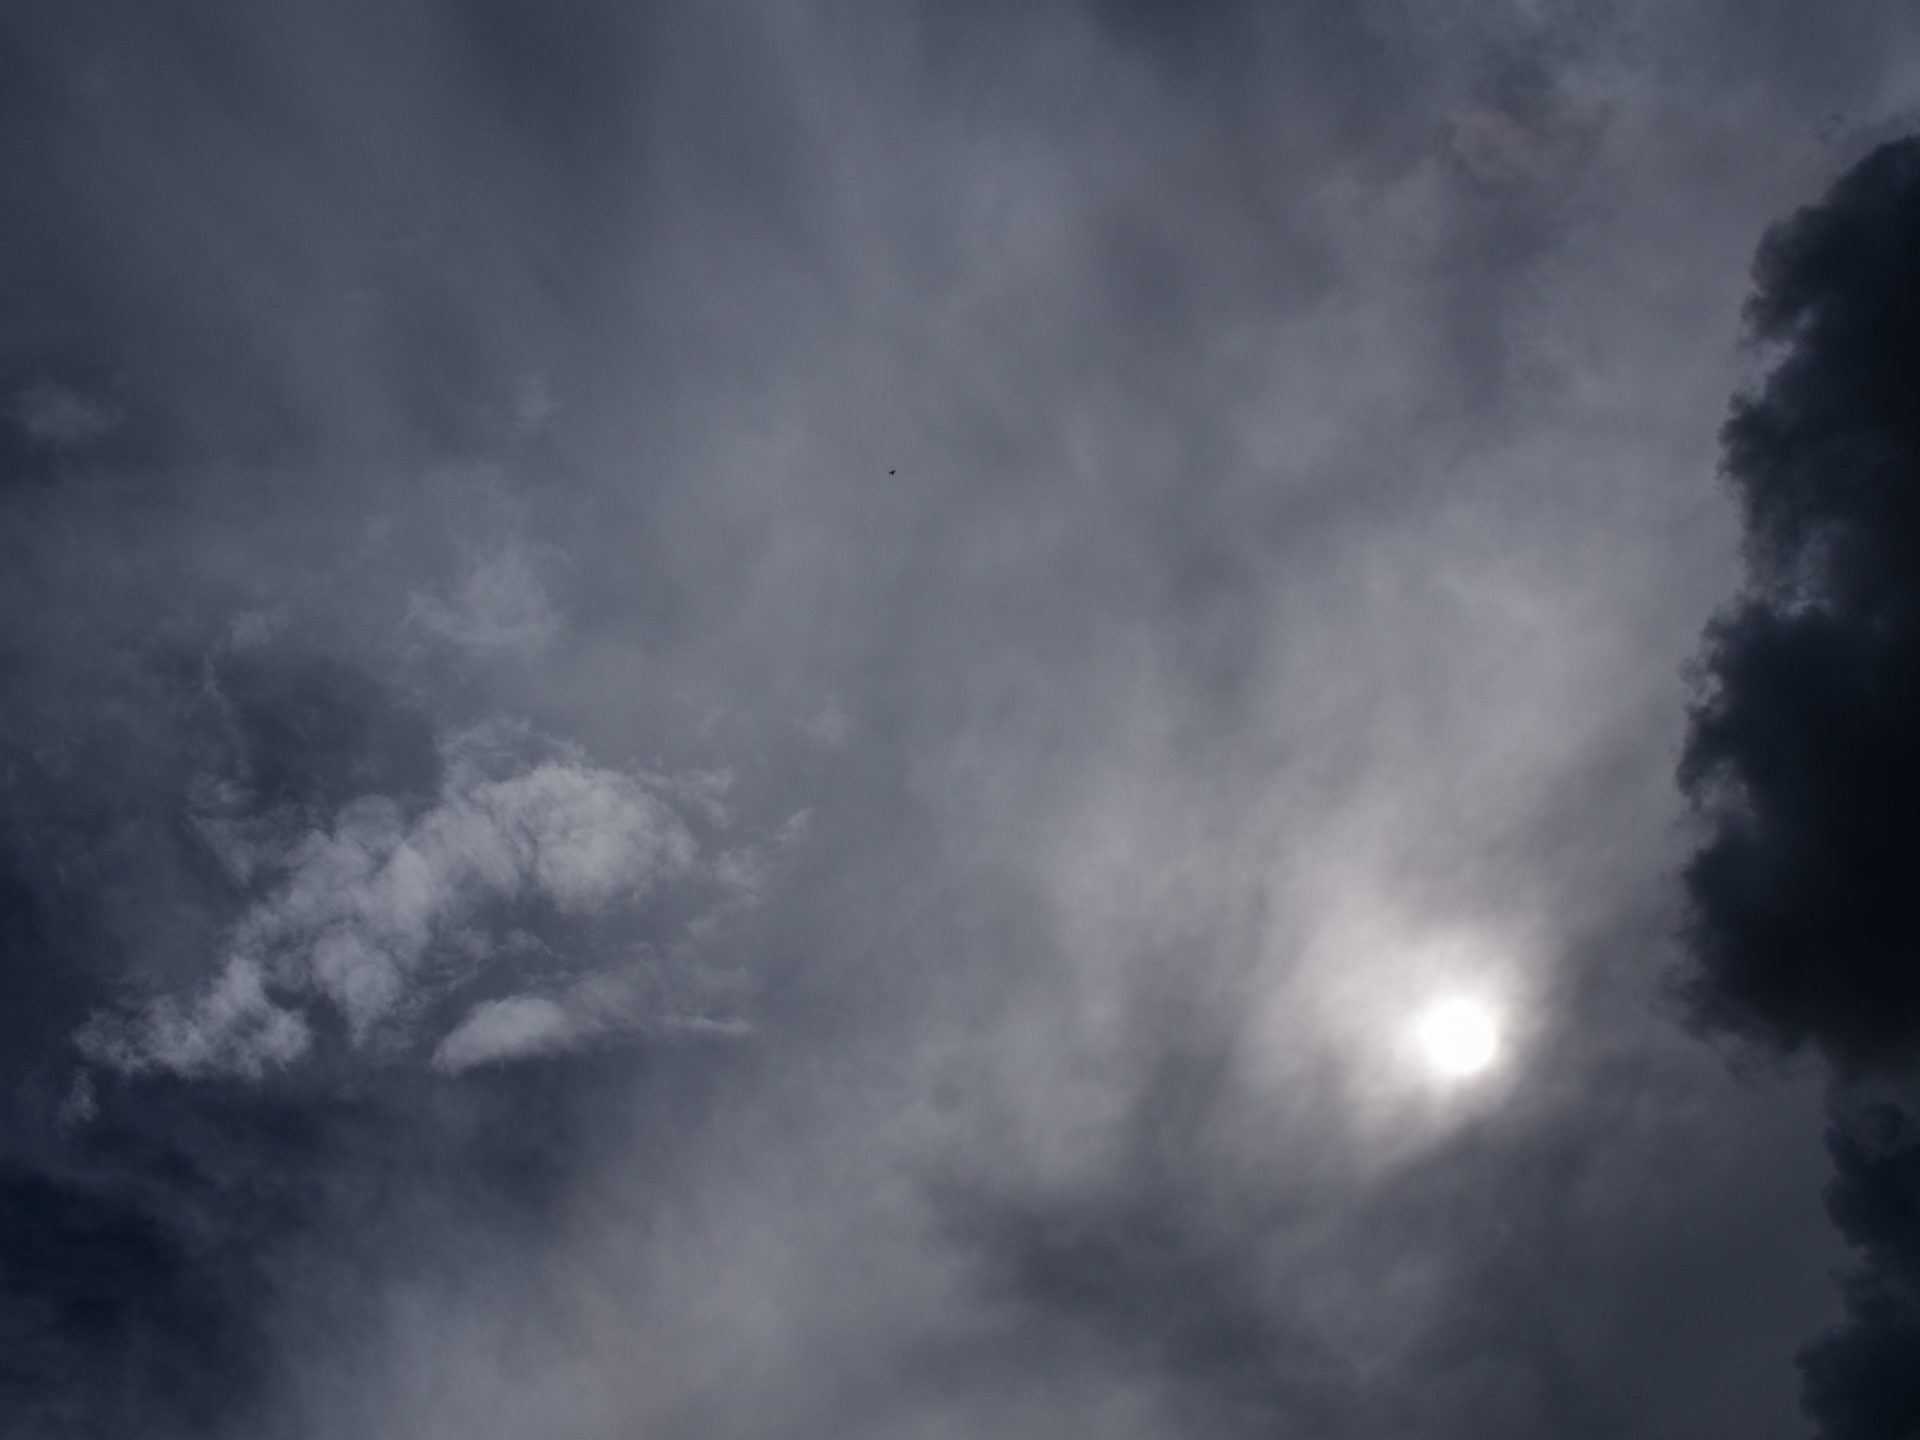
507	1030
1804	925
55	417
86	1266
231	1028
1860	1379
357	908
520	1027
828	727
1284	565
1803	754
500	607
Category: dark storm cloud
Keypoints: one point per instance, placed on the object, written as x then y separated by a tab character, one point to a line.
1803	922
1802	752
1859	1379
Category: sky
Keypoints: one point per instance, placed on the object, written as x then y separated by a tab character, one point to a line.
744	719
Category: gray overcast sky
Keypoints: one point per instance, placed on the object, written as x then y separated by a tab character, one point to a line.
746	720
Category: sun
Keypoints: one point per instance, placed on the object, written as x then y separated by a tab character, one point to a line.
1459	1036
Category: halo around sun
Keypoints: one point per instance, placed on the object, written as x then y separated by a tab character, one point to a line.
1458	1036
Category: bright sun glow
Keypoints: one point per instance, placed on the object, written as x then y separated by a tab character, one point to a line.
1459	1037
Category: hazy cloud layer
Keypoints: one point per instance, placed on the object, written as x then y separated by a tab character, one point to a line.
745	720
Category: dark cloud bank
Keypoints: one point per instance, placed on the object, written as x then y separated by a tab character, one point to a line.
744	720
1804	751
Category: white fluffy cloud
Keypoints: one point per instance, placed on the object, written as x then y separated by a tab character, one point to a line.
354	913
